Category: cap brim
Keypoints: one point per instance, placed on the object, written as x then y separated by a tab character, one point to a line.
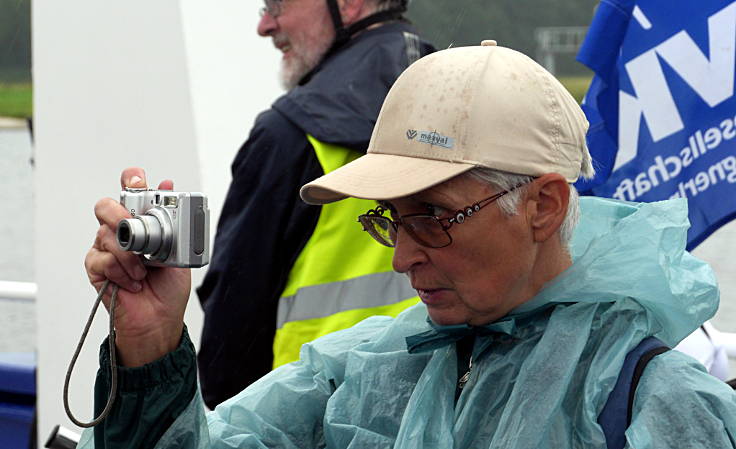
381	177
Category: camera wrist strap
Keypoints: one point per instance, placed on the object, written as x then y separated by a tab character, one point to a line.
113	366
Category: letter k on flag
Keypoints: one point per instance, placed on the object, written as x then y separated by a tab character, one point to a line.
661	106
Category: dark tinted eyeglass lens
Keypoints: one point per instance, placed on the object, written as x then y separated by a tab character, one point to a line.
380	228
427	231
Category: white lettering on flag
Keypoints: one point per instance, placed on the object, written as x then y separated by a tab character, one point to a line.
654	101
641	18
712	78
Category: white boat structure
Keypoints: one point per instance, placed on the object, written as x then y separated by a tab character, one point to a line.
171	86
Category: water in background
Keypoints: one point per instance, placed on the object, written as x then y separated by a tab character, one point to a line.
16	197
17	318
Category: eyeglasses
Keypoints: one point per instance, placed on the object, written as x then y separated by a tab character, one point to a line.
427	230
272	8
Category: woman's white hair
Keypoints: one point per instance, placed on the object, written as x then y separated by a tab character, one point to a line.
509	203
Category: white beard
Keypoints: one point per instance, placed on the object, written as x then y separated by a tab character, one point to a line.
303	58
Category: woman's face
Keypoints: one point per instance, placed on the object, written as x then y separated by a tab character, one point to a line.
486	271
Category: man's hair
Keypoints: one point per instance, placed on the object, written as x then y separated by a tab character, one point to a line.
509	203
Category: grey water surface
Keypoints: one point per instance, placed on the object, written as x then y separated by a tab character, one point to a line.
17	317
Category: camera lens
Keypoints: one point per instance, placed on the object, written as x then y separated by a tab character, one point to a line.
142	234
124	234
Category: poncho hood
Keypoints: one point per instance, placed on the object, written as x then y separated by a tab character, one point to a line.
637	251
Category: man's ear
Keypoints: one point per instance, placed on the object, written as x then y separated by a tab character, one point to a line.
352	10
551	195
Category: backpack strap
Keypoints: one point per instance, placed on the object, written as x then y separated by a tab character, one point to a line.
615	417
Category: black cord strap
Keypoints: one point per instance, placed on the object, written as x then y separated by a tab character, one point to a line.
343	34
113	366
334	9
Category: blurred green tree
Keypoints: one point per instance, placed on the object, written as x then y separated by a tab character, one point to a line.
15	41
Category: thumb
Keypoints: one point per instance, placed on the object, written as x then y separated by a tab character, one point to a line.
134	177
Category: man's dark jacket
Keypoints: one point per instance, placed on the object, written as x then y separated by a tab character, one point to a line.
264	224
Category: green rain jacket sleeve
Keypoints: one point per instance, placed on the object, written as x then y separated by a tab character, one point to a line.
159	406
148	400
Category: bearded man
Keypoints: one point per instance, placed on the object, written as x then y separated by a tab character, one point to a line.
282	271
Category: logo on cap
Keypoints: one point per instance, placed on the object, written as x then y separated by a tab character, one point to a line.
411	133
434	138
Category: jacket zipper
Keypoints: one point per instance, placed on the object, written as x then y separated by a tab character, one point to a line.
465	377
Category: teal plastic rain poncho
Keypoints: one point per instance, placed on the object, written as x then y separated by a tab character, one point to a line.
539	378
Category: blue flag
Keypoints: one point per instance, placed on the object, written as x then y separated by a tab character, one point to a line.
661	106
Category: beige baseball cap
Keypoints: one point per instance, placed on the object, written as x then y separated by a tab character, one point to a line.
456	109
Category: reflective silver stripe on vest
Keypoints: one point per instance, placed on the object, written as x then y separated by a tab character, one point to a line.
411	41
319	301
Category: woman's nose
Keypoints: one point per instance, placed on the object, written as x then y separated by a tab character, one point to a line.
407	252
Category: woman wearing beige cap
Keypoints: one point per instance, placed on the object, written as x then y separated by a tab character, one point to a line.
522	331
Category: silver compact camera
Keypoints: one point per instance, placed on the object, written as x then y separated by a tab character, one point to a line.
167	228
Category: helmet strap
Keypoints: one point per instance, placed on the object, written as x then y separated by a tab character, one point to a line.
334	9
343	34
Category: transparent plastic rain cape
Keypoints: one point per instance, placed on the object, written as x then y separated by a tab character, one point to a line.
540	375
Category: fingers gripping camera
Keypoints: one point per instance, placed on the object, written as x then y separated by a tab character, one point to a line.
167	228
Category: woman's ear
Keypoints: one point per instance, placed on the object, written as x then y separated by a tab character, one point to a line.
551	194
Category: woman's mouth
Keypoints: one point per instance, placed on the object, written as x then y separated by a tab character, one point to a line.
431	296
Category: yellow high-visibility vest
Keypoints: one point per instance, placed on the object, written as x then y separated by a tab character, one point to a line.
342	275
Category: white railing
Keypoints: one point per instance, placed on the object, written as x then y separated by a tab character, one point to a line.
555	40
18	290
